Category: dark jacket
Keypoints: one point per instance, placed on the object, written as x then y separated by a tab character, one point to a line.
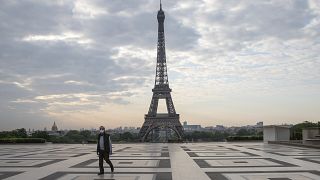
107	143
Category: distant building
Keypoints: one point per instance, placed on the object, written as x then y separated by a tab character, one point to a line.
209	127
259	124
276	133
29	132
55	132
54	127
121	129
187	127
220	128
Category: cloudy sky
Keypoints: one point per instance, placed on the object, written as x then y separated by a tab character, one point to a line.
86	63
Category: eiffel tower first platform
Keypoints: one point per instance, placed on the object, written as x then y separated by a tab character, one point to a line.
166	121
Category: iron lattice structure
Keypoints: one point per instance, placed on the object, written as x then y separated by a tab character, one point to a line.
161	90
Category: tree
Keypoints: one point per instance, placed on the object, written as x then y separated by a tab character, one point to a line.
127	136
85	133
19	133
296	130
5	134
41	134
74	136
22	132
243	132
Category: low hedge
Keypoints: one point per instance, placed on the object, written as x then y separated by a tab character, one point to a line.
244	138
21	140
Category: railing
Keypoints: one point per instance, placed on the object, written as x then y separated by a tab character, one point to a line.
162	115
290	142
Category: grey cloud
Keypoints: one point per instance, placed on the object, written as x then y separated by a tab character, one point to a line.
24	17
255	20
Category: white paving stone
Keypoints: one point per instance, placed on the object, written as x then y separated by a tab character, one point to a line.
241	162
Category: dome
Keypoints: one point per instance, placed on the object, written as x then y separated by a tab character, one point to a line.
54	127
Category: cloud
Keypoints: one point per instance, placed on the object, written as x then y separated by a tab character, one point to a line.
77	83
69	60
66	37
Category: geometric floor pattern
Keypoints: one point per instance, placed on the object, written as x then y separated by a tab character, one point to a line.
185	161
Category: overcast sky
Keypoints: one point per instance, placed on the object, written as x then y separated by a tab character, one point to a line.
89	63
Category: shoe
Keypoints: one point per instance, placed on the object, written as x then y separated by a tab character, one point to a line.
100	173
112	169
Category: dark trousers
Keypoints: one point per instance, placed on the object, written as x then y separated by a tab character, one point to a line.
104	155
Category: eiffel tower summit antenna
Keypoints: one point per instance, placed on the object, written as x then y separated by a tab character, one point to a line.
154	122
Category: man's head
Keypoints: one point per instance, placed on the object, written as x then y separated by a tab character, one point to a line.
101	129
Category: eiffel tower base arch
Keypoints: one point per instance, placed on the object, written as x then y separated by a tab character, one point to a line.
161	121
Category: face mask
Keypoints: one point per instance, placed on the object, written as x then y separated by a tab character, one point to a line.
101	131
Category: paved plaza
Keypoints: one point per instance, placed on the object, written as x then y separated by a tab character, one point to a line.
198	161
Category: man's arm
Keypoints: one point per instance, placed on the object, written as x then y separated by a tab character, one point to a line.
110	146
98	146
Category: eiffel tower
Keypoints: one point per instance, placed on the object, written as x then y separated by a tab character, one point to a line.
153	120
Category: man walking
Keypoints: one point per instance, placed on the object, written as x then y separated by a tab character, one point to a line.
104	149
